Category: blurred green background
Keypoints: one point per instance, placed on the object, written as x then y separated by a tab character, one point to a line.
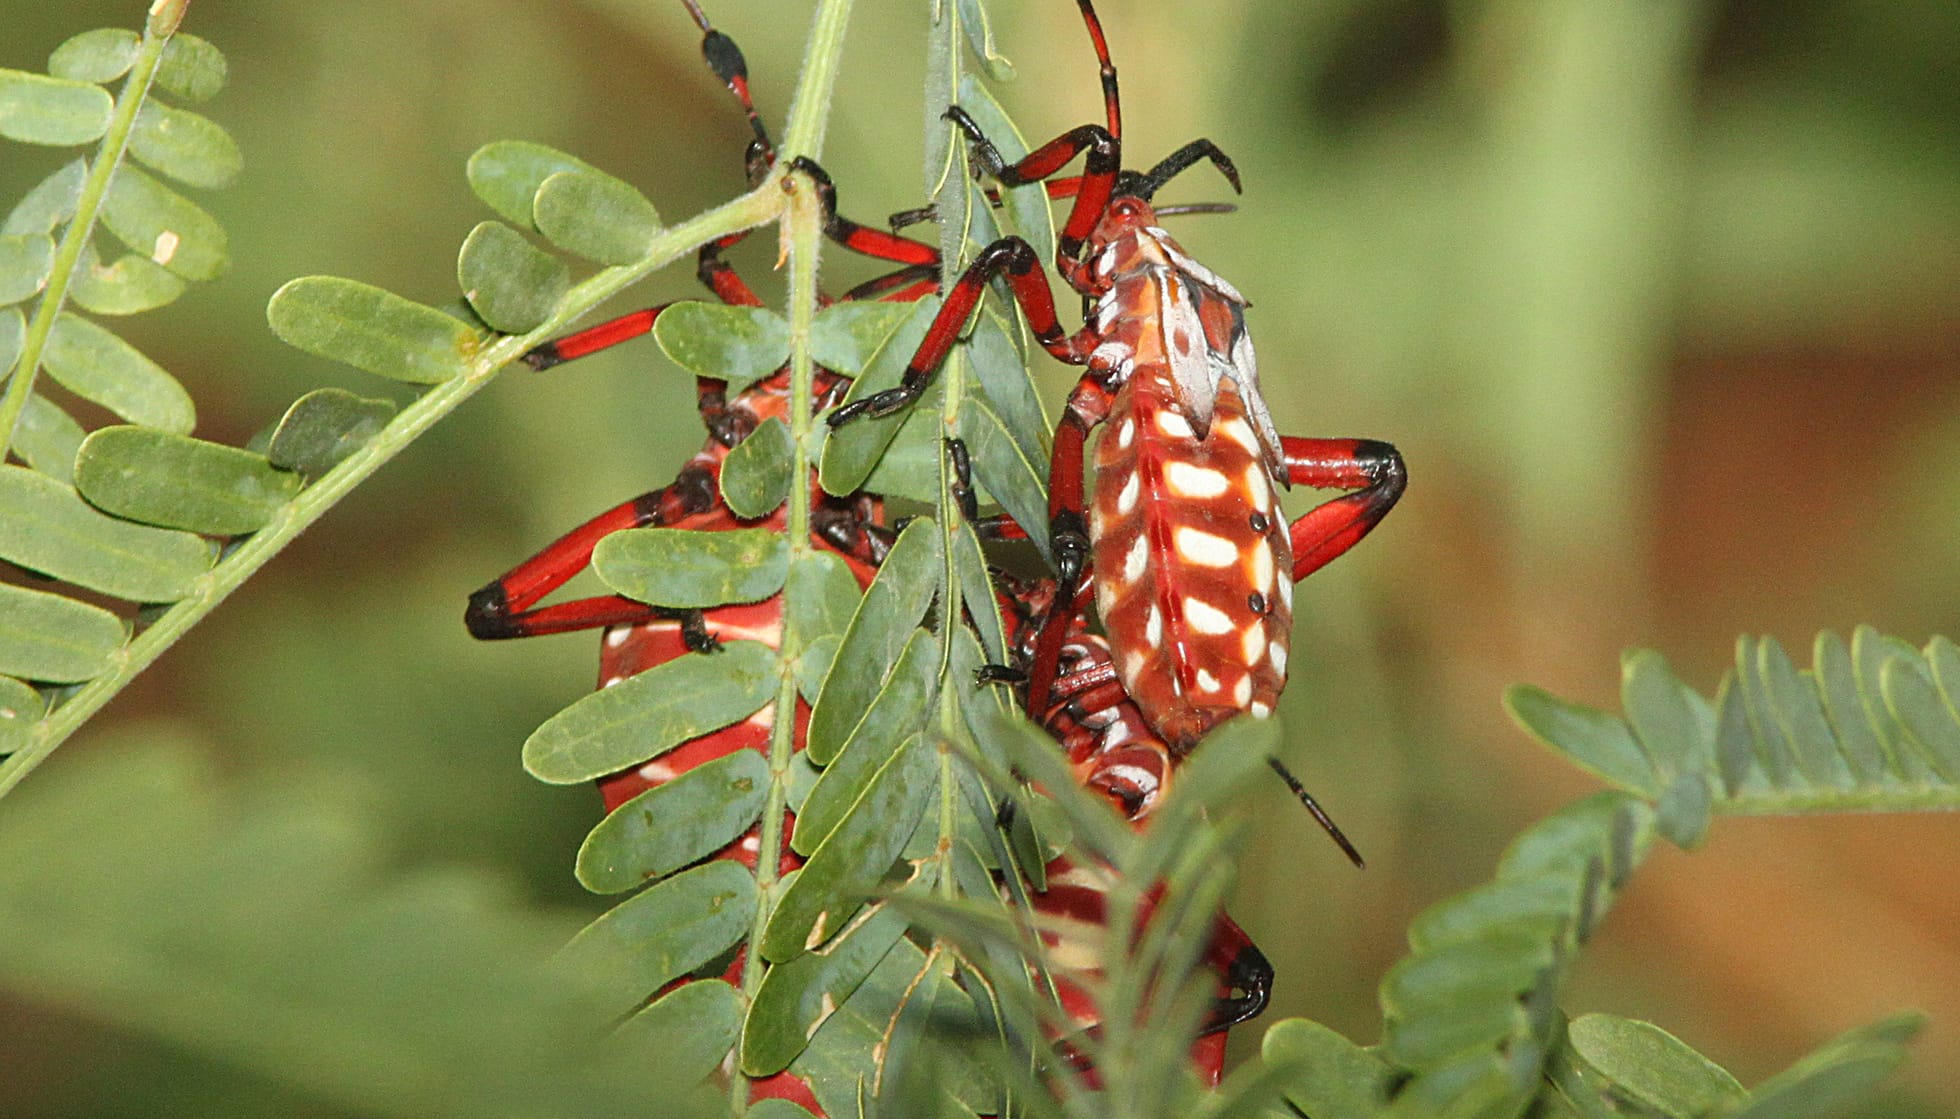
1659	299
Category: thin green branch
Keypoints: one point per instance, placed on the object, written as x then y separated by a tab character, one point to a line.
313	502
74	239
809	110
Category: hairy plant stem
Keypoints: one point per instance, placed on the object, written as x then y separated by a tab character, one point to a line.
95	187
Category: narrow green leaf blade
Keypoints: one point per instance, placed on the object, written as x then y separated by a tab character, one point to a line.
755	475
798	997
506	174
595	216
97	56
689	569
186	146
884	621
178	482
836	880
54	639
323	427
1837	683
739	345
669	929
676	823
157	222
1017	482
649	713
1026	206
510	283
1595	740
371	329
1929	724
821	594
45	526
25	262
96	365
850	452
37	109
896	714
1799	714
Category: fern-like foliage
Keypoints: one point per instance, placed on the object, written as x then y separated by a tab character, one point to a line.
1872	725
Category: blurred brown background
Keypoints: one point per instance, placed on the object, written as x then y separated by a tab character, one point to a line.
1659	300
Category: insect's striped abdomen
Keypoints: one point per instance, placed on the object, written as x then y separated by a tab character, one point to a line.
1192	559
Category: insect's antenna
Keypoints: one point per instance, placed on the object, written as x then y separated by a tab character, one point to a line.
725	59
1319	813
1112	107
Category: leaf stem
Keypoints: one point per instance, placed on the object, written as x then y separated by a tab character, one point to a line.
256	550
95	188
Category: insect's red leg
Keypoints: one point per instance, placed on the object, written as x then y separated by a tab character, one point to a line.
1371	468
502	609
1098	180
1068	530
1242	967
1010	258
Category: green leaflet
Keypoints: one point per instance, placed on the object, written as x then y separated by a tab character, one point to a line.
323	427
667	930
371	329
683	820
98	56
45	526
192	68
798	997
1324	1074
1652	1066
850	452
506	175
884	621
179	482
822	596
50	203
186	146
688	569
55	639
159	223
739	345
894	715
1026	206
687	1031
97	366
1595	740
130	286
755	475
37	109
595	216
843	336
48	439
834	883
511	284
649	713
1017	482
25	262
20	708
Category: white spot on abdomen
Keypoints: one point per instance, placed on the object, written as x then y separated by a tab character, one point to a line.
1204	549
1206	618
1187	480
1173	424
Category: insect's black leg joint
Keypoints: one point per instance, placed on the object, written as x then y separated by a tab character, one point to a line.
999	674
1070	538
694	487
694	631
488	614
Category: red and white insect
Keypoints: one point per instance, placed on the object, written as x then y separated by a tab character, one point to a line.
1193	562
